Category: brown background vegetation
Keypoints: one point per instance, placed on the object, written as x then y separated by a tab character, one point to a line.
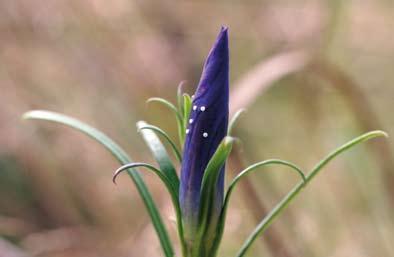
312	73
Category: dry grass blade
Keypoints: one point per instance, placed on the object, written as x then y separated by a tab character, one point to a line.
259	78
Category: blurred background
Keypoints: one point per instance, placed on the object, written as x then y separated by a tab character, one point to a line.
312	74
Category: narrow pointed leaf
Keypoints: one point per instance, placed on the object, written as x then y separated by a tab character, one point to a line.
180	97
165	135
187	106
178	115
159	173
166	103
233	121
160	154
242	174
167	183
155	170
283	204
123	158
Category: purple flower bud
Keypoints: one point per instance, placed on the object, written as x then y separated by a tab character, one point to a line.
207	126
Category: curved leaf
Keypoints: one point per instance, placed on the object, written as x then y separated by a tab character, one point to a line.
179	96
187	106
160	154
165	135
178	116
167	183
243	173
159	173
123	158
166	103
281	206
233	120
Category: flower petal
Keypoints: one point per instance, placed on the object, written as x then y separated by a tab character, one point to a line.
207	127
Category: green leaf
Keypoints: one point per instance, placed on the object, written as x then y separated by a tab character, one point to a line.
283	204
243	173
165	135
179	96
233	120
187	106
159	173
159	153
155	170
173	193
123	158
178	116
166	103
208	192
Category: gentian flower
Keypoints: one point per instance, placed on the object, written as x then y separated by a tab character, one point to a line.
207	126
198	196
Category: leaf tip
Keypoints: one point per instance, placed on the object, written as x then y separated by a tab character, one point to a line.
150	99
25	116
377	133
228	140
384	133
181	85
29	114
242	110
140	124
116	174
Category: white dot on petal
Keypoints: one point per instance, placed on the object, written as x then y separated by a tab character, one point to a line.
191	121
195	107
205	134
187	131
192	96
202	108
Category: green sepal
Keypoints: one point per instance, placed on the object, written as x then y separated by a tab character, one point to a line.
207	223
